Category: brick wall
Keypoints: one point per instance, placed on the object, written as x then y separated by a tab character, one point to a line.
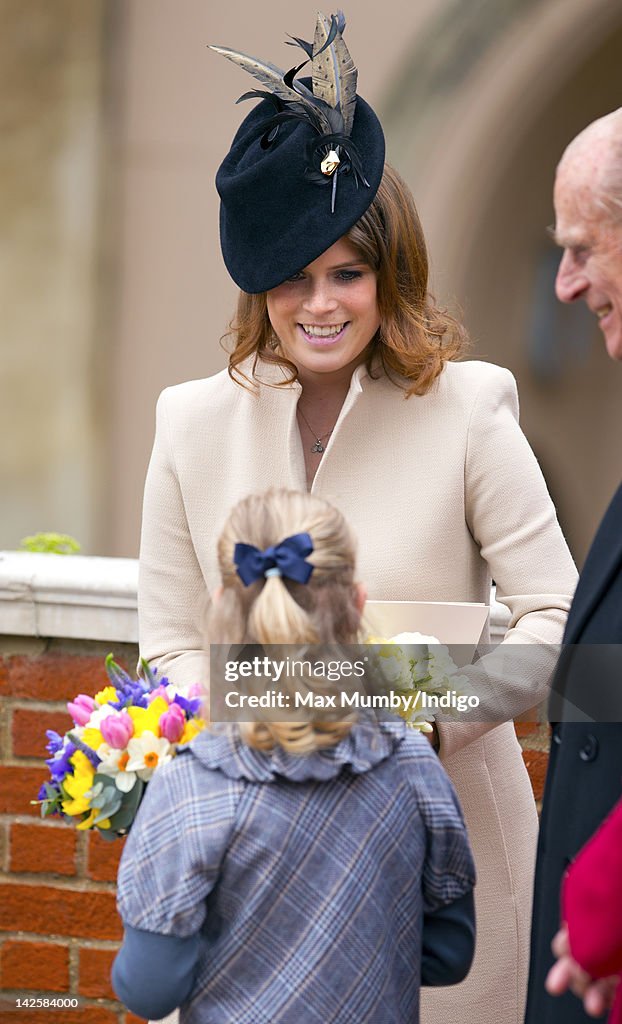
58	923
59	927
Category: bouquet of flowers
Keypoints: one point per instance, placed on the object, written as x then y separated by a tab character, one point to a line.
101	766
420	671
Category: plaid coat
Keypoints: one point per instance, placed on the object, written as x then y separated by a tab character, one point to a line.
307	878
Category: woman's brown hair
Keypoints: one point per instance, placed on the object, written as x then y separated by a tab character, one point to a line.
415	338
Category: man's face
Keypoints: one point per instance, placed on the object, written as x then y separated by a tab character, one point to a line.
591	266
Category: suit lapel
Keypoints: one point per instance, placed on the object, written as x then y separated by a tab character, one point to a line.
603	560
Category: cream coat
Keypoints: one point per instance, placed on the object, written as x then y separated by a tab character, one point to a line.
443	492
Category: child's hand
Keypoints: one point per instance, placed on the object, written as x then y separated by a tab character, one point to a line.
597	993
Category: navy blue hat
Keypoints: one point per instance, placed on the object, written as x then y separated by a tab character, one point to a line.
303	167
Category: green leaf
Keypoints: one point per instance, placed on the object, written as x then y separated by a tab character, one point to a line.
124	818
147	672
107	833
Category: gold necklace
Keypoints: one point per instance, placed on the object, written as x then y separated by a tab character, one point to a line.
317	446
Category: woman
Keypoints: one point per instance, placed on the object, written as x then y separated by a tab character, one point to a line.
343	380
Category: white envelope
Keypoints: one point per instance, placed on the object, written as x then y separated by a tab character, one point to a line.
454	623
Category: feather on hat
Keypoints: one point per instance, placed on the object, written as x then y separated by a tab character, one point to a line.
304	133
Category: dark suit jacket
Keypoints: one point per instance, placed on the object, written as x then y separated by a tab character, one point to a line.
584	778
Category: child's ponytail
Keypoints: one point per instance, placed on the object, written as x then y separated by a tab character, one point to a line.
287	563
276	618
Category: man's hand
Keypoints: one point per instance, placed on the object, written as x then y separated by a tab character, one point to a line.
597	993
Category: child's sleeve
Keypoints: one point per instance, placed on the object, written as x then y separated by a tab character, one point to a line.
153	974
448	940
169	866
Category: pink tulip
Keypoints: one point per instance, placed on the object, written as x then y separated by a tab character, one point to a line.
117	730
173	723
160	691
81	709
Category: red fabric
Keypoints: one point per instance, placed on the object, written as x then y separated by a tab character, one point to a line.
592	905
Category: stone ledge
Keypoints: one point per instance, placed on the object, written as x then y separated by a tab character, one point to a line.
70	596
77	597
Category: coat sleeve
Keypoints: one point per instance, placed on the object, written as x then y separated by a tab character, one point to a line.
512	519
448	942
172	596
174	852
448	869
592	900
171	862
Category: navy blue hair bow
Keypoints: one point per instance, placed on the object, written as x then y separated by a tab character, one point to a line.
285	559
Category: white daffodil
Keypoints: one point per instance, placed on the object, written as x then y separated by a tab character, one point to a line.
146	753
421	720
114	763
99	714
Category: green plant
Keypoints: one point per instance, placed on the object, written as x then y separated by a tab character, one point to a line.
51	543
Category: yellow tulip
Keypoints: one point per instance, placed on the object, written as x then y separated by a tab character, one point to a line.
88	822
92	737
148	719
192	729
107	694
78	784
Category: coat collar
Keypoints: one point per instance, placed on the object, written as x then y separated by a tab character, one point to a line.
275	375
367	744
603	560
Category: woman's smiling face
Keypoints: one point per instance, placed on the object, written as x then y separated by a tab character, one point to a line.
326	315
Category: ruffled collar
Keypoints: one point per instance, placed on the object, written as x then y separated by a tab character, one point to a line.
367	744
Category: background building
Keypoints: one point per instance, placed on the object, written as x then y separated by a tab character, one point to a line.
114	118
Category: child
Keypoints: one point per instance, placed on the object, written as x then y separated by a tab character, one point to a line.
294	874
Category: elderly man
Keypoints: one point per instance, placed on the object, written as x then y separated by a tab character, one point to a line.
585	771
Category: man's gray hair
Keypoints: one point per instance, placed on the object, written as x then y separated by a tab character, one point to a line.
607	132
609	194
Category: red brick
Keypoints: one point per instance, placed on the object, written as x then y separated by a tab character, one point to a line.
29	727
85	1014
536	763
43	848
18	786
36	966
524	729
95	967
55	677
47	910
103	857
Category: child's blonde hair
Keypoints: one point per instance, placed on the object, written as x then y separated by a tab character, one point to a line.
278	610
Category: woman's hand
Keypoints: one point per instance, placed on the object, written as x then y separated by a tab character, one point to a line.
597	993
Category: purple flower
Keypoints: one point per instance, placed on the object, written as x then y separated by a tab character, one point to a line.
55	741
131	694
173	723
81	709
191	707
117	730
59	764
77	744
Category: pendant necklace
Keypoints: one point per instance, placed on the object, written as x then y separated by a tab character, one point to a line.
317	446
